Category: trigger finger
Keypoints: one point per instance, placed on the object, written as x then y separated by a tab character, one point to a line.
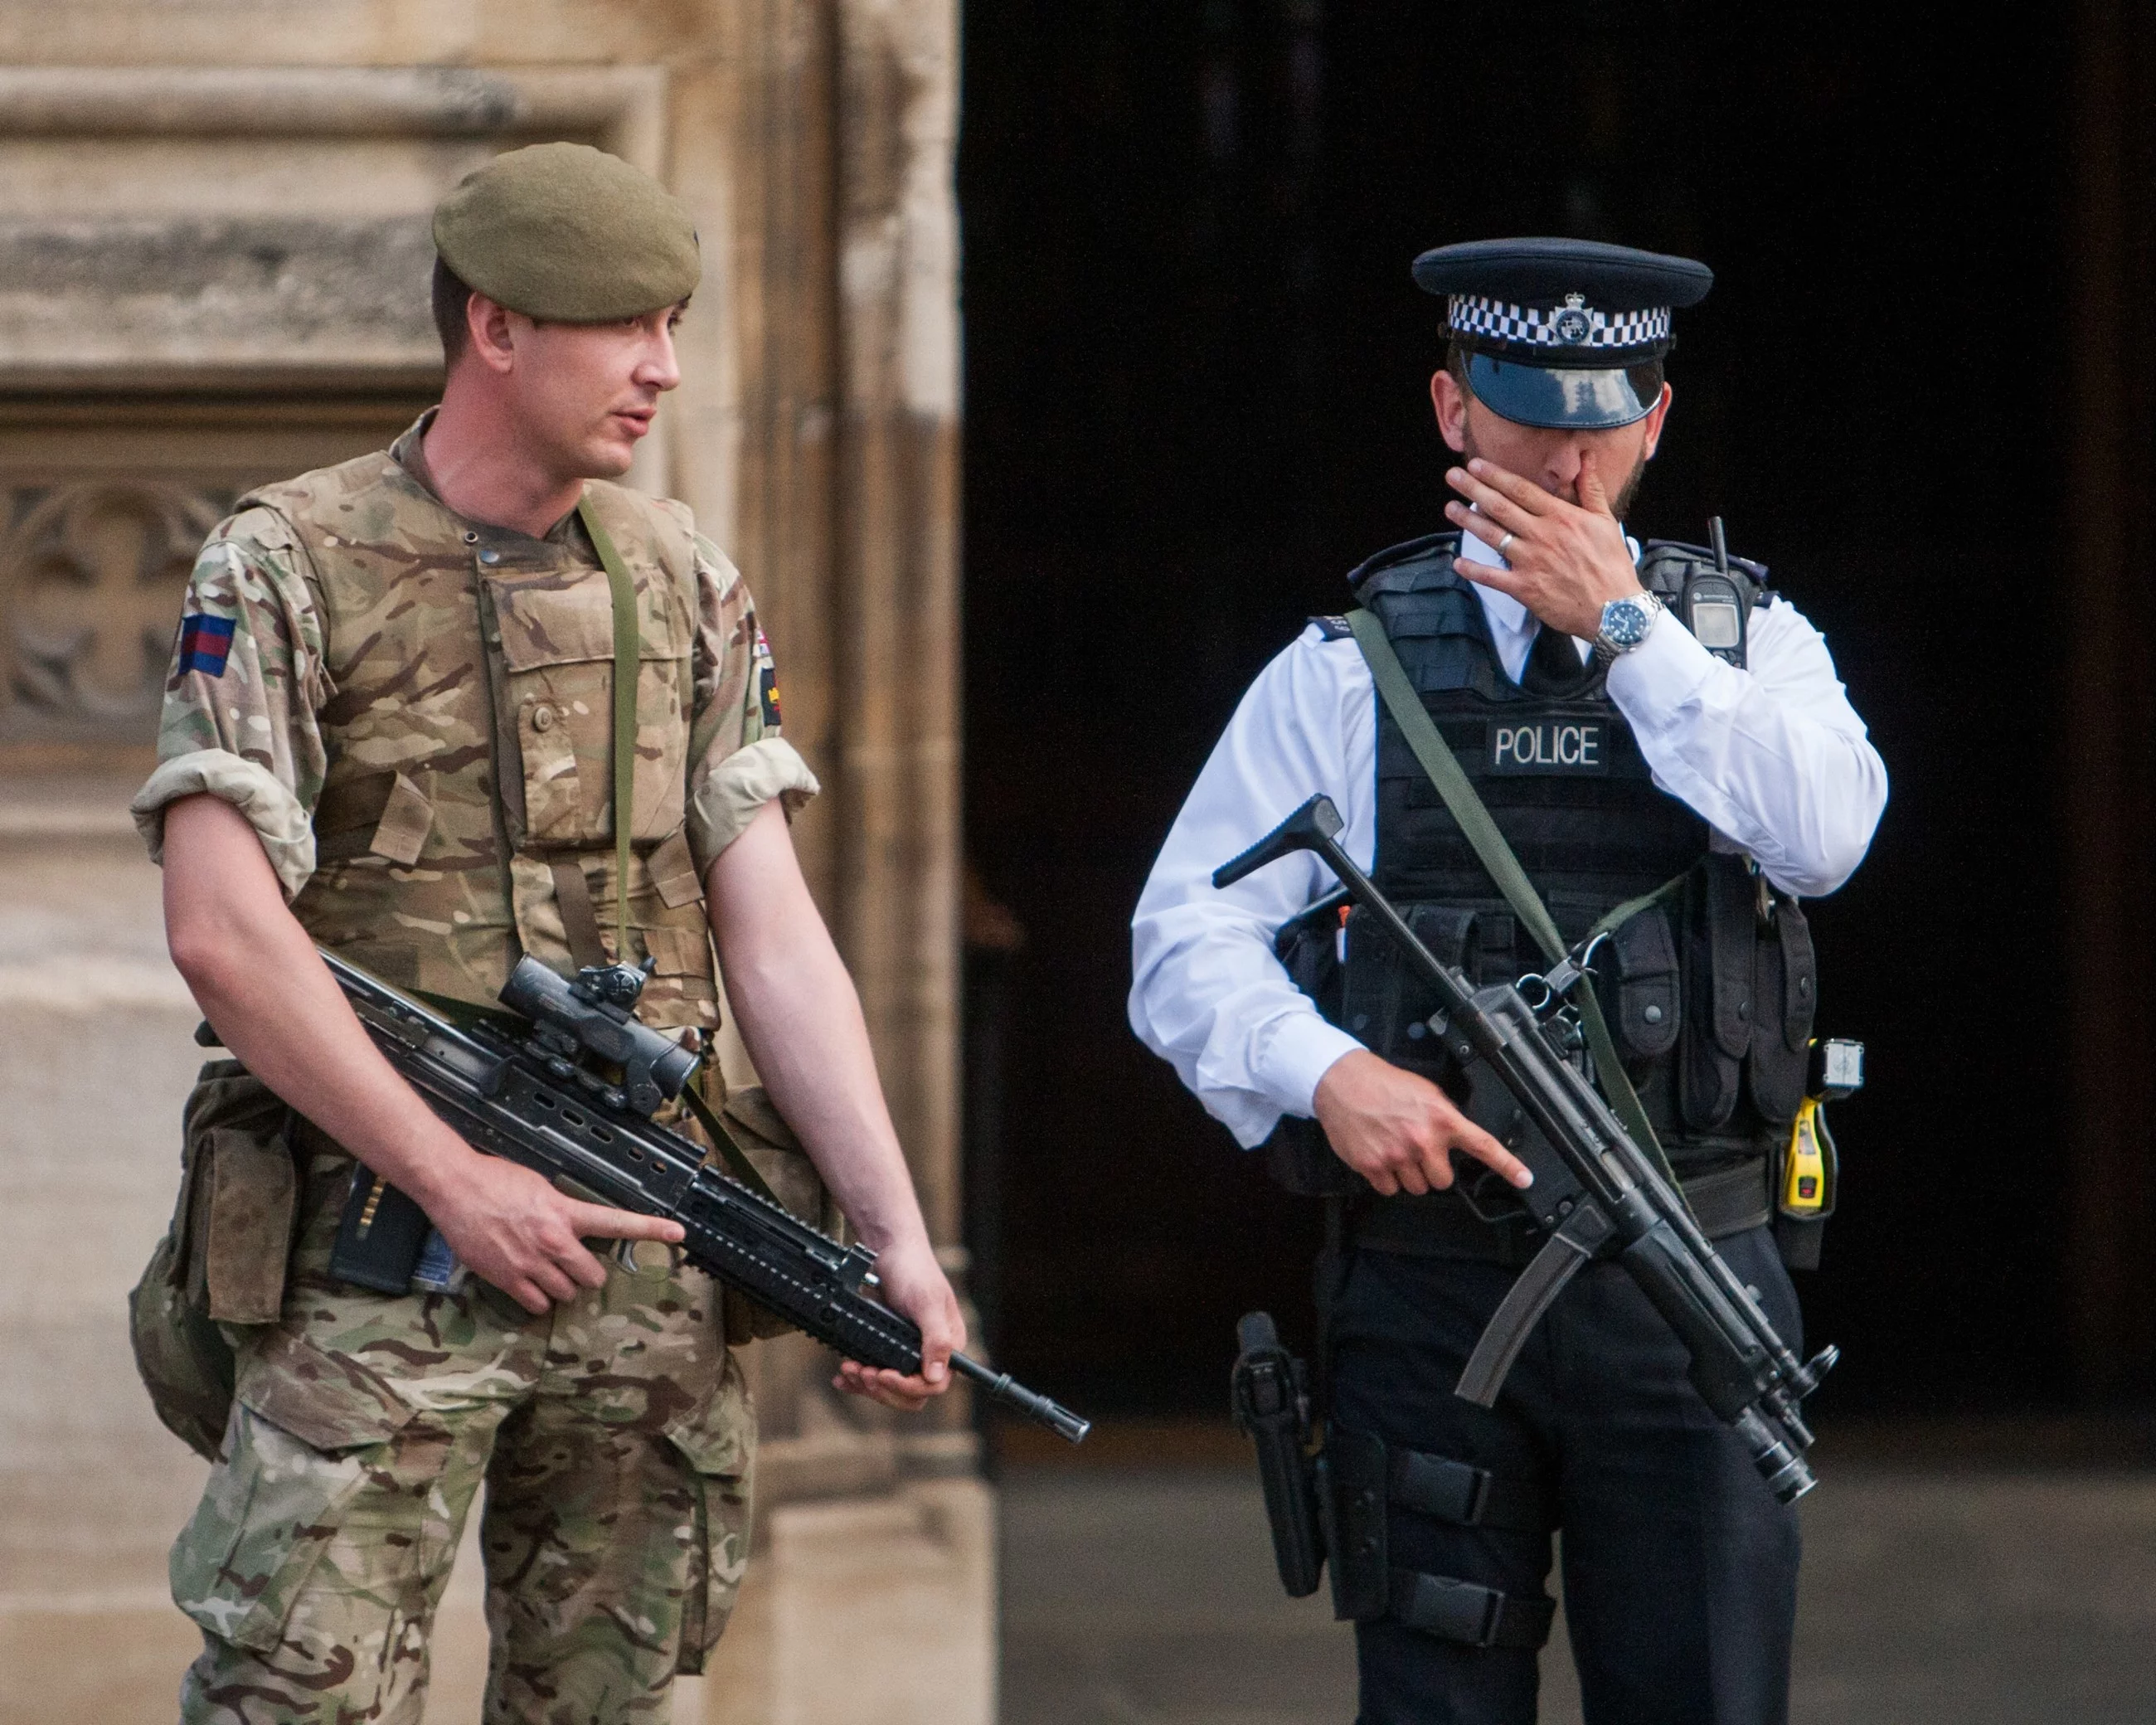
1486	1149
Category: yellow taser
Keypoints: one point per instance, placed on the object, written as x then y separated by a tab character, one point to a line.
1808	1171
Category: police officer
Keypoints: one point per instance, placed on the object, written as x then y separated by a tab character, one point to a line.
388	730
1623	734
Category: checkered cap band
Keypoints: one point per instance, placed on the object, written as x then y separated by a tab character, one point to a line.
1557	328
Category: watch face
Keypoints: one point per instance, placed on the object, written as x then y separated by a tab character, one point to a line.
1625	623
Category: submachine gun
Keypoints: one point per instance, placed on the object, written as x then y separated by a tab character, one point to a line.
525	1088
1595	1192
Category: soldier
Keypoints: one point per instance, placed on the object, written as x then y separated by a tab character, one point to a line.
388	730
1627	720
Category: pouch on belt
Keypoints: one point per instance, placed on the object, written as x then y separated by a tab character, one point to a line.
222	1260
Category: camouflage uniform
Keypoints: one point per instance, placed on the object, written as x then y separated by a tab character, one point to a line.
413	710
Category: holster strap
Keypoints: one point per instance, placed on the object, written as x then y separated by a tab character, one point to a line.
1455	1491
1468	1613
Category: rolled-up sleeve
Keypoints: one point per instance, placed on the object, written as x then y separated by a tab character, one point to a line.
247	678
738	761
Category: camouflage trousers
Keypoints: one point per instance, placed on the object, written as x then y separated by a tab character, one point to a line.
613	1437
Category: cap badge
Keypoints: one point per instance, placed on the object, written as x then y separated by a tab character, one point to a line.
1571	324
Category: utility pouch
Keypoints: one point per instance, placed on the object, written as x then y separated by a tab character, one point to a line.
1269	1396
1644	965
1373	996
1787	990
386	814
224	1259
1383	1002
243	1195
180	1354
1719	900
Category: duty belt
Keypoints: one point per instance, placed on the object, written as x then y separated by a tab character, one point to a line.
1439	1225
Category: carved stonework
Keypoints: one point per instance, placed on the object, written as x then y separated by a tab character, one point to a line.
91	579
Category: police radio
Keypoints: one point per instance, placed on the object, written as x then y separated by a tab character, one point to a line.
1712	608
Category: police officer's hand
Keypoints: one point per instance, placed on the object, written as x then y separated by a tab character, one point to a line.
914	1283
1398	1130
511	1227
1568	560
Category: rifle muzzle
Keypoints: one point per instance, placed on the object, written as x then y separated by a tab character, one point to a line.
1787	1474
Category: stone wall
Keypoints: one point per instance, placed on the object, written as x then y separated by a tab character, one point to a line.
212	271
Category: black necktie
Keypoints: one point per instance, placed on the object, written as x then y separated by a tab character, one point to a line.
1554	666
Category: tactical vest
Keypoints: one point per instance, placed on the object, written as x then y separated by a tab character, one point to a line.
466	813
1709	996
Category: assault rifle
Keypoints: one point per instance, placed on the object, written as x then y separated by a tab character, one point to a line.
524	1089
1595	1192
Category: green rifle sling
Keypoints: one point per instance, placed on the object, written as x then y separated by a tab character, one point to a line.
627	650
1482	835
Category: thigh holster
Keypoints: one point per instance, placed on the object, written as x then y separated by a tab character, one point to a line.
1363	1480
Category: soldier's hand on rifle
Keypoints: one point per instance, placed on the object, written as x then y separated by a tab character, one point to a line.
912	1282
1398	1130
511	1227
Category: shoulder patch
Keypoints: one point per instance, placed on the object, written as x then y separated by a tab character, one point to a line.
1331	629
205	643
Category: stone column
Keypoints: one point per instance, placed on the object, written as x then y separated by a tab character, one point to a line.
898	601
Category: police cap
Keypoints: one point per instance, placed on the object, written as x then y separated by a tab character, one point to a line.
568	233
1550	326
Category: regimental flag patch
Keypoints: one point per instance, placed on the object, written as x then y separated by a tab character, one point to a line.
205	643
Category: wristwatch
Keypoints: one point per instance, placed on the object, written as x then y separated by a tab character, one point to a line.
1625	623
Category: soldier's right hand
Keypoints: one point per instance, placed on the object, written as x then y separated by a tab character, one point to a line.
510	1226
1398	1130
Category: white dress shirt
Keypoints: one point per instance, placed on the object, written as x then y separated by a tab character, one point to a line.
1772	757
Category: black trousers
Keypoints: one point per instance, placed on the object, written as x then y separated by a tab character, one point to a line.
1680	1568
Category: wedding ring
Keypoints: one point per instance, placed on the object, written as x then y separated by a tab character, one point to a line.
1502	543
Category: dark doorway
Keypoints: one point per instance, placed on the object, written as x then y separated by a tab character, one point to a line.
1196	397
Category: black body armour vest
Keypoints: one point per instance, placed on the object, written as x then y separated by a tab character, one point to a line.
1709	996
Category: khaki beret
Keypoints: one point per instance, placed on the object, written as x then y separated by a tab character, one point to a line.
568	233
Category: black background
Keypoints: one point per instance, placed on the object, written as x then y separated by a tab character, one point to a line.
1196	396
